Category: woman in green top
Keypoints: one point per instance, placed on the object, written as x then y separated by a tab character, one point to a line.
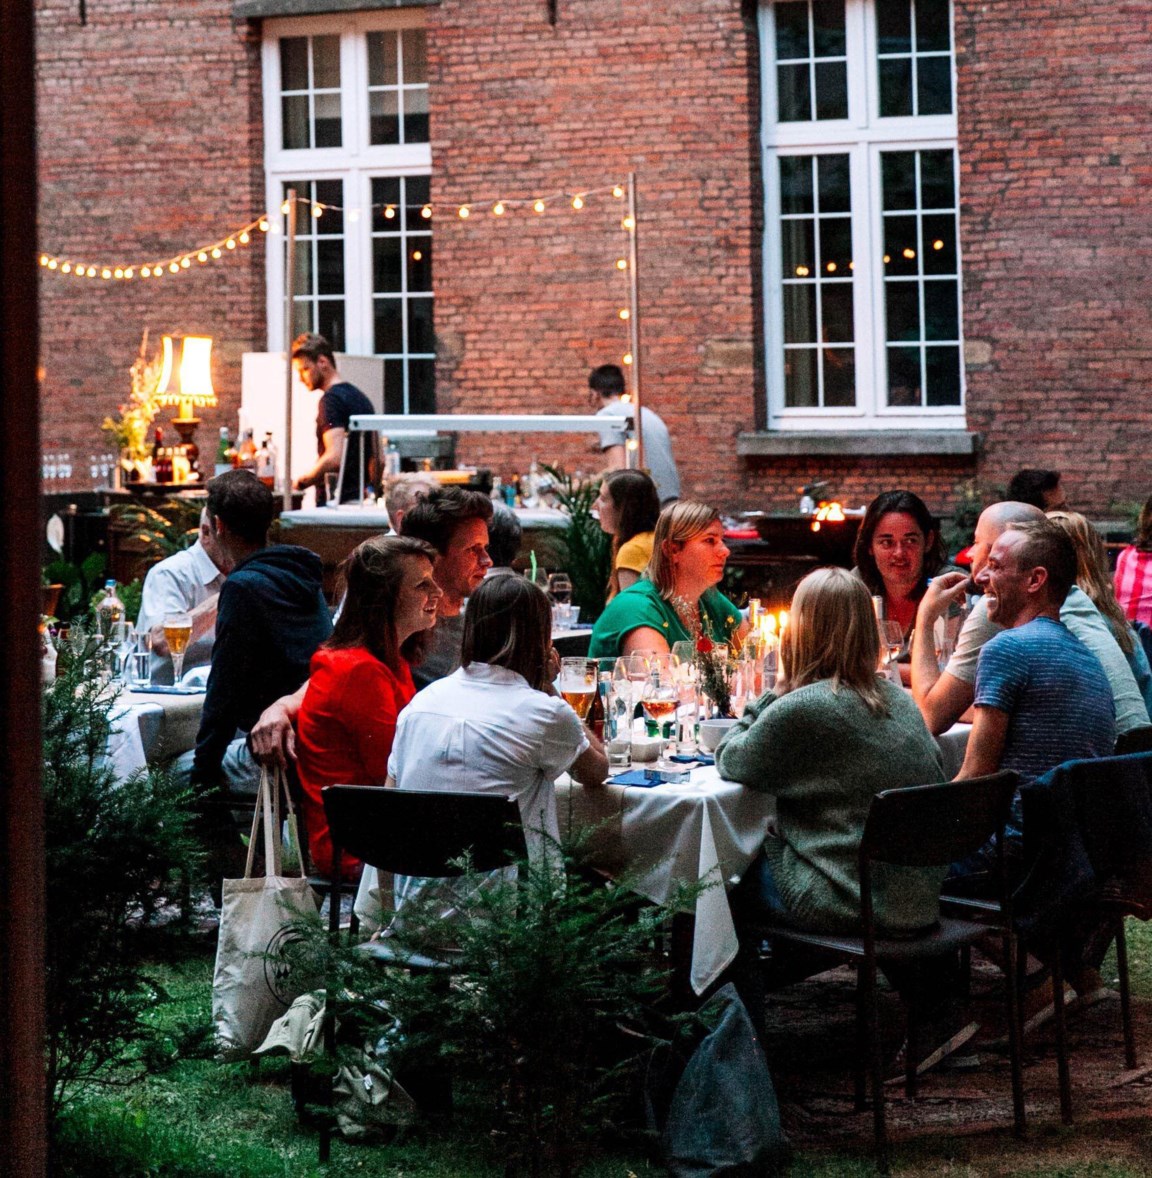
678	599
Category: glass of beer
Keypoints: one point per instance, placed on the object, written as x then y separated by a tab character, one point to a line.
578	684
177	633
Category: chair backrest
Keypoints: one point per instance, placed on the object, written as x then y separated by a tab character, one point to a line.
421	832
1113	802
1135	740
934	825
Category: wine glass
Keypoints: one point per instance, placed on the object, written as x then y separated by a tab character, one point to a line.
630	674
178	634
892	639
578	684
660	696
560	588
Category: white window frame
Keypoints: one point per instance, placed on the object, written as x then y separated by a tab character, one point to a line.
356	162
862	137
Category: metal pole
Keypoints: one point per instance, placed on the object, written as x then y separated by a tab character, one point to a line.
289	291
634	321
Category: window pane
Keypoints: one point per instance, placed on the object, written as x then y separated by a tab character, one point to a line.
421	386
328	120
796	184
836	312
900	244
902	304
831	90
791	30
894	25
394	386
835	245
415	116
800	391
943	366
937	186
934	86
420	263
383	64
330	323
293	63
939	245
793	94
835	186
383	116
385	194
415	56
386	273
331	193
933	33
839	377
941	310
898	169
828	28
799	254
326	63
896	88
294	115
800	313
420	338
389	329
330	266
417	196
904	377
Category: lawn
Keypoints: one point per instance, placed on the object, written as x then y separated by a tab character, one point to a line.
194	1117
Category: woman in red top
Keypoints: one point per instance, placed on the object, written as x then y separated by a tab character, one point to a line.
361	679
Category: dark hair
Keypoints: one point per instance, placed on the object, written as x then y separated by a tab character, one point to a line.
1143	539
607	380
908	504
1028	486
436	517
504	535
242	503
370	577
508	623
311	346
634	496
1048	547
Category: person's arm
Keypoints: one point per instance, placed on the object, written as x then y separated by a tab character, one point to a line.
743	753
644	638
615	457
329	460
203	619
627	577
941	697
273	737
591	766
986	743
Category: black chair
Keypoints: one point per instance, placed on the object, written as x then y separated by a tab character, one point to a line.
1135	740
919	826
419	833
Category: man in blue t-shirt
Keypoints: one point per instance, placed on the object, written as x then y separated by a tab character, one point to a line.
315	364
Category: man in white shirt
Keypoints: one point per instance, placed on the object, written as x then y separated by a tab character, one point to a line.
187	583
607	387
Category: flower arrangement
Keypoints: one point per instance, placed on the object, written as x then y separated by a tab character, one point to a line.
129	431
711	661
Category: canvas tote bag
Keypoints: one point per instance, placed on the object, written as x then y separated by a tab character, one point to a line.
251	985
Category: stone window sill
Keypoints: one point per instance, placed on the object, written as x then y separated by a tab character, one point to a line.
858	443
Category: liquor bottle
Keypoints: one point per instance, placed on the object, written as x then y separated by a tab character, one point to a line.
266	461
392	461
158	467
247	451
224	451
596	713
109	611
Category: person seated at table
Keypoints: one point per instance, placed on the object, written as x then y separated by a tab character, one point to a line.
897	549
1133	576
677	600
628	508
403	494
1093	579
360	678
497	725
504	537
832	734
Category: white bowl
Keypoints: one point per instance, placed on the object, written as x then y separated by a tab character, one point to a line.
712	732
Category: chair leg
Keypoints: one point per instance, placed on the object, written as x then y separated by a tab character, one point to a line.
860	1057
1125	994
1063	1077
1012	954
876	1064
912	1044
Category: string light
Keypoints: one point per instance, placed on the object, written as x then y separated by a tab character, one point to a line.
426	212
317	212
625	313
909	253
185	263
389	213
629	223
831	267
617	191
938	244
577	202
465	212
217	252
621	263
497	209
539	206
245	238
627	357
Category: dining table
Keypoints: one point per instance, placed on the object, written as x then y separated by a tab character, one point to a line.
152	727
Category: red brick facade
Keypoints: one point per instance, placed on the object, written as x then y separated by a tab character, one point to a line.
151	139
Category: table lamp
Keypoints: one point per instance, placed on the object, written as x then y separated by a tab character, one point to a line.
192	390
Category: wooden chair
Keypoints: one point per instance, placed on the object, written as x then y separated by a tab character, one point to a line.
918	826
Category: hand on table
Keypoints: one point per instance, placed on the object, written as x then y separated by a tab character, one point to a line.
273	739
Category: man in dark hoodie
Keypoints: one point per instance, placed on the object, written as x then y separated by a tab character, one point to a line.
271	618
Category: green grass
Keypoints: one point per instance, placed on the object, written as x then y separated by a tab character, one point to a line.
195	1117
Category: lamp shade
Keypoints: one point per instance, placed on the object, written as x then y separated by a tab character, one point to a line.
193	387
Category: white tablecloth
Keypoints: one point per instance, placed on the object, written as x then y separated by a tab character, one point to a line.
151	728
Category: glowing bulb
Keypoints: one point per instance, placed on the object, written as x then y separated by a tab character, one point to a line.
317	211
887	259
91	271
417	256
831	267
66	268
621	263
284	208
216	251
632	444
52	264
625	398
801	271
244	238
577	202
628	223
498	209
43	259
426	212
185	263
627	357
851	265
174	268
145	272
625	313
263	226
105	273
465	212
230	244
909	253
118	272
617	192
128	272
937	244
389	213
539	206
202	256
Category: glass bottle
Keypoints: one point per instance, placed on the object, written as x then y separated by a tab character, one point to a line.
109	611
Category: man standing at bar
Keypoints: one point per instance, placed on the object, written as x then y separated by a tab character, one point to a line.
607	387
315	364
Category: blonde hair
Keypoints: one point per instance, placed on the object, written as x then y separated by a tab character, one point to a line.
1092	573
832	634
678	522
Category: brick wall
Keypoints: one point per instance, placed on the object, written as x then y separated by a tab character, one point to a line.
1056	176
150	141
